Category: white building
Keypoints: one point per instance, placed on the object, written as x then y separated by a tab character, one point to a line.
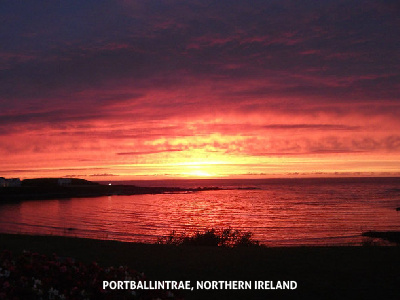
11	182
64	181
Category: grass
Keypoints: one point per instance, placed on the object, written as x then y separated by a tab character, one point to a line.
321	272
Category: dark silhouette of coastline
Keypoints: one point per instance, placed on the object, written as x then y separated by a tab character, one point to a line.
391	236
49	188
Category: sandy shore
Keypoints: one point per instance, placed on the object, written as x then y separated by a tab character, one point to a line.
320	272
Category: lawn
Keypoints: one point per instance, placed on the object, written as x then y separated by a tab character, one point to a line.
368	272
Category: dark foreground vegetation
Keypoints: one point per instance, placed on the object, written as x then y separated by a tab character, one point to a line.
321	272
37	276
213	238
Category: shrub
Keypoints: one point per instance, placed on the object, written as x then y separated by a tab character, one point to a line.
211	237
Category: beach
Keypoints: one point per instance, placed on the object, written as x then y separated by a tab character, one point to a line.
199	150
368	272
317	240
278	212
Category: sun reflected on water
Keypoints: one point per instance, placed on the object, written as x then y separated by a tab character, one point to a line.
277	214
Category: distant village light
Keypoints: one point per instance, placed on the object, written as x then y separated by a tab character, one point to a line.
109	184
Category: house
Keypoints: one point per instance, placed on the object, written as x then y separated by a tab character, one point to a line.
11	182
64	181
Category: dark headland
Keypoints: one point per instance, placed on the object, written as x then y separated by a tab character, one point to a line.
391	236
62	188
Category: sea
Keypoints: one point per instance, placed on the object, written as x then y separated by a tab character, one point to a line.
278	212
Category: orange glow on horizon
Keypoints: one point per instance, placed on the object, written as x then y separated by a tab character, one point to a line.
171	97
219	147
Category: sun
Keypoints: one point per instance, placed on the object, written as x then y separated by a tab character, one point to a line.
198	170
199	173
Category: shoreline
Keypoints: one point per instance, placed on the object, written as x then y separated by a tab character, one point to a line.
26	193
50	189
342	272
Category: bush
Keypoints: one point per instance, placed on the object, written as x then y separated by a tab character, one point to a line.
211	237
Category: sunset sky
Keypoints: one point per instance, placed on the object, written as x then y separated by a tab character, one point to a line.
120	89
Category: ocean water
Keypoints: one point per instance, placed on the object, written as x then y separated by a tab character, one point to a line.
279	212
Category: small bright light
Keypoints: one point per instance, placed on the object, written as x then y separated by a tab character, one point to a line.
109	184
